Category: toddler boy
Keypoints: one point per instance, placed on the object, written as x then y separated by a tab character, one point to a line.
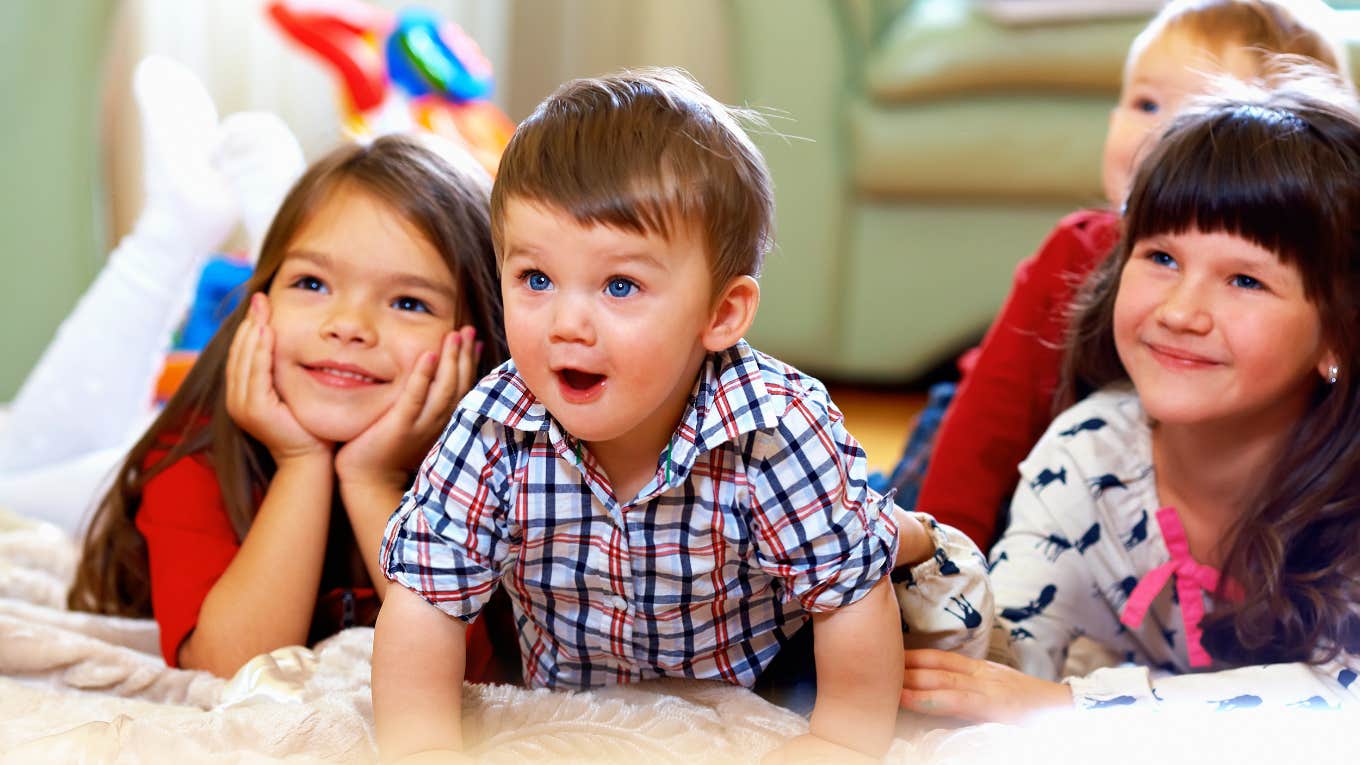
658	498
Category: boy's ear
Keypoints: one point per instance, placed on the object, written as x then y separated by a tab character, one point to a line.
733	311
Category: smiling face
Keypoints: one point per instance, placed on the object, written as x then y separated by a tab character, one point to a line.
606	326
1162	75
359	296
1212	328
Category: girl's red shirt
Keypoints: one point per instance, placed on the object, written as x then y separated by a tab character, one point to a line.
190	542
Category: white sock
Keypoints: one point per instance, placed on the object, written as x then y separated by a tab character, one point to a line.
94	384
260	159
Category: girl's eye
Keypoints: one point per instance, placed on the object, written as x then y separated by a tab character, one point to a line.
1247	282
621	288
1161	258
537	280
310	283
1146	105
408	303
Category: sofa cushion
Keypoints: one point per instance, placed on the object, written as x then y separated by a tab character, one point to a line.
940	47
990	146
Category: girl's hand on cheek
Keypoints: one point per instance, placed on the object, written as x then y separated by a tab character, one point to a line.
396	443
252	400
947	684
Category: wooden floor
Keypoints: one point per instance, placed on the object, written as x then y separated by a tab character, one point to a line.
879	418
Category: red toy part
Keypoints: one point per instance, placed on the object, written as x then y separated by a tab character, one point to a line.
343	33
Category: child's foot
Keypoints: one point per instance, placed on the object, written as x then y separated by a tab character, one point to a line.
186	197
261	160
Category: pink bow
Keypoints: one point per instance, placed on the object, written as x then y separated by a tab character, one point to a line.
1192	580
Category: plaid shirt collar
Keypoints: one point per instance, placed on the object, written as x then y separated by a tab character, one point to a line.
738	390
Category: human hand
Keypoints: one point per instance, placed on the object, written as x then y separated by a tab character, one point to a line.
953	685
252	400
398	440
813	750
914	543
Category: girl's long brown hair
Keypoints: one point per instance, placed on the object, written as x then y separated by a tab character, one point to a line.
444	195
1283	172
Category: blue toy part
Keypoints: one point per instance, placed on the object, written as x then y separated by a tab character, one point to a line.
215	297
421	63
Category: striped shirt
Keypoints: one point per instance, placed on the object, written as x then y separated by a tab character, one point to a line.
758	514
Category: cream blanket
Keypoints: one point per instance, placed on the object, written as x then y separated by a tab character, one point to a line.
82	688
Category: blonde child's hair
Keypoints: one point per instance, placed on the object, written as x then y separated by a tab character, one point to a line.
1260	28
644	150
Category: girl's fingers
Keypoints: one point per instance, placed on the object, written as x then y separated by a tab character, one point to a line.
239	357
936	680
441	385
468	355
930	658
410	406
946	703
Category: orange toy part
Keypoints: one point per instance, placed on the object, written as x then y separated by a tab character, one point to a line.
176	367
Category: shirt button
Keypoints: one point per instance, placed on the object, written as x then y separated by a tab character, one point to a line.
618	602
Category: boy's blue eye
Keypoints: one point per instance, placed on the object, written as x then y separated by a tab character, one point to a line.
1247	282
537	281
621	288
408	303
1146	105
309	283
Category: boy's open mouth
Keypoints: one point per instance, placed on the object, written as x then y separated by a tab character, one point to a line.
580	381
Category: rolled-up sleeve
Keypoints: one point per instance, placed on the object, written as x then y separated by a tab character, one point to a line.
446	540
816	526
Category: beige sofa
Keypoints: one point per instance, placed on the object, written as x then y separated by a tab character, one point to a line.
932	147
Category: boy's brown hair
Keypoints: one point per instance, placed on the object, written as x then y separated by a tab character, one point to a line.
644	150
1262	28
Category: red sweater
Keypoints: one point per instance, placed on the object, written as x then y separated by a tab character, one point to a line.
190	543
1005	401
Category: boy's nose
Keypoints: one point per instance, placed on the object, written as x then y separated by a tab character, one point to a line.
572	321
349	323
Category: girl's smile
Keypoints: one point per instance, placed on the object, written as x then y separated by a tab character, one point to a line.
337	375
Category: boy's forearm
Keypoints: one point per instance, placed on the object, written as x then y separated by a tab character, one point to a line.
418	665
859	672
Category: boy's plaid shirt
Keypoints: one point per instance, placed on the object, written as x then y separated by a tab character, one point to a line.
758	514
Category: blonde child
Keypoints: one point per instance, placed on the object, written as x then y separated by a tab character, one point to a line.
1007	396
1198	514
658	498
234	519
91	394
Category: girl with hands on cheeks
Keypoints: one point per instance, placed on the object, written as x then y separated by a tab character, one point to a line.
1196	514
249	516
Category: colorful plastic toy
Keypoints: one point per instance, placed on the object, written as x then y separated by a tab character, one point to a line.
402	70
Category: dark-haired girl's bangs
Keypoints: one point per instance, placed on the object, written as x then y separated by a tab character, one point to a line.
1238	176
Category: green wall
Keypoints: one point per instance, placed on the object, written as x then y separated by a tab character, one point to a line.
50	223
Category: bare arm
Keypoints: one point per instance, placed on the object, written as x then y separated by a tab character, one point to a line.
859	672
418	665
265	598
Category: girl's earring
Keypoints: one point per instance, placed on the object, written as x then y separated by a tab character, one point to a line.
1332	372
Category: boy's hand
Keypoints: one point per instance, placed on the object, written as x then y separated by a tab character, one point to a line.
398	440
914	543
252	401
948	684
813	750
